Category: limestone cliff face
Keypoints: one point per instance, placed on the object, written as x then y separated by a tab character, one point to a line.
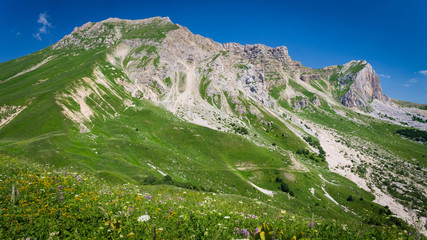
201	80
363	85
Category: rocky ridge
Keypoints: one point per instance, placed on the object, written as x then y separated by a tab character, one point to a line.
364	85
225	69
245	89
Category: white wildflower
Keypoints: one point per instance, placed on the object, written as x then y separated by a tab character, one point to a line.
144	218
227	217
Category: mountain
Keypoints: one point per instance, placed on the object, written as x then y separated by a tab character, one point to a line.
135	101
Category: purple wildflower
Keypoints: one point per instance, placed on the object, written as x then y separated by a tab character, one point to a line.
236	230
256	230
311	225
245	232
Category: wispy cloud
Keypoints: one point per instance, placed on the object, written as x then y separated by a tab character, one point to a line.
384	76
43	20
423	72
413	80
406	85
37	36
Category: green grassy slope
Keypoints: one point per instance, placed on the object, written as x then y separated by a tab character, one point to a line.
40	202
126	142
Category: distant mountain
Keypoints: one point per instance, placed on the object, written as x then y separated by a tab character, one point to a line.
134	101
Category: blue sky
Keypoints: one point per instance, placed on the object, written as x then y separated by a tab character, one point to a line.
390	35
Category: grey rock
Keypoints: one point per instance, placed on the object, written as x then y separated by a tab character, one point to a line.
307	78
364	86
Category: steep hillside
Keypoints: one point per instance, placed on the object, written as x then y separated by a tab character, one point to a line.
135	101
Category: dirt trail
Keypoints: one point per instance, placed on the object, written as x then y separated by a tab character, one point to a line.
265	191
6	119
29	69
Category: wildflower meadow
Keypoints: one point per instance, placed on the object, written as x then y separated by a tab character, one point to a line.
43	202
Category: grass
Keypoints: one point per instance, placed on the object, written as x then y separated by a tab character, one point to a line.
156	30
241	66
276	90
41	202
125	142
300	89
204	83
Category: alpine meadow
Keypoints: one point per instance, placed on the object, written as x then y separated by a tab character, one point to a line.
141	129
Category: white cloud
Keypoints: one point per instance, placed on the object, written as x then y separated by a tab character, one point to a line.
423	72
43	20
413	80
37	36
406	85
44	29
384	76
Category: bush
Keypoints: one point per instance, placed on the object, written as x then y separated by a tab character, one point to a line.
284	187
414	134
150	180
241	130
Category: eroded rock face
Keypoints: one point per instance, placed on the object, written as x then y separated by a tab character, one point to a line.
307	78
364	86
316	101
300	104
199	79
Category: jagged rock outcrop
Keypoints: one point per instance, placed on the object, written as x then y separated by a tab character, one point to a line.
300	104
307	78
363	84
316	101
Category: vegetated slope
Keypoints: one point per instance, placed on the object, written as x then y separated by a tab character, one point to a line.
132	101
41	201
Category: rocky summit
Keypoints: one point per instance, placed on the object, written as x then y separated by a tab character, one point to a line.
148	103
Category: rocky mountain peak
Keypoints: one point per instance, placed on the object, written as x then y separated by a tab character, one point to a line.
111	31
362	83
259	52
227	68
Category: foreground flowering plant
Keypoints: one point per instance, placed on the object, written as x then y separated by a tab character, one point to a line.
144	218
41	202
